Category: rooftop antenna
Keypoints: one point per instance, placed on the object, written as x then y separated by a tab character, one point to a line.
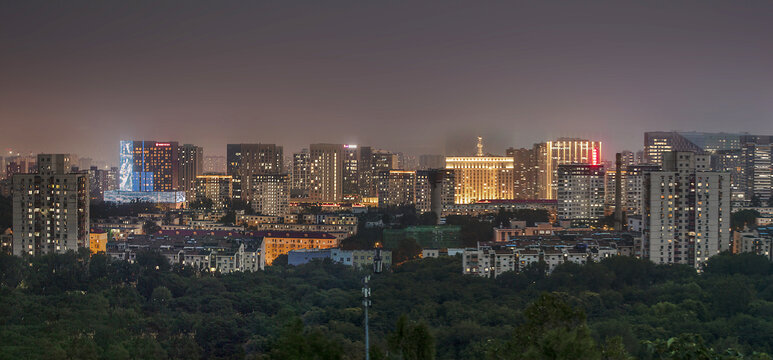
480	146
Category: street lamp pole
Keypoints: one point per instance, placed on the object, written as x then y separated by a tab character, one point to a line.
377	267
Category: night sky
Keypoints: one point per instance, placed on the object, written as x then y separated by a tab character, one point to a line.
419	77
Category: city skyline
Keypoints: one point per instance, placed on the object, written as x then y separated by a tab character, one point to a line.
416	78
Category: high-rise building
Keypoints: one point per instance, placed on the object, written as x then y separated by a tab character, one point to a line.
758	168
481	177
658	142
216	188
396	188
270	194
581	193
102	180
326	172
634	187
686	210
564	151
431	161
610	183
351	172
299	183
247	160
50	208
524	173
214	164
734	163
191	160
149	166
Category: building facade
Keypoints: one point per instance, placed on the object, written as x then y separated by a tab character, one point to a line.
549	155
270	194
50	208
246	160
581	193
217	188
686	210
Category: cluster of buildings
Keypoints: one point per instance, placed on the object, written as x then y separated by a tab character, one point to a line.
678	192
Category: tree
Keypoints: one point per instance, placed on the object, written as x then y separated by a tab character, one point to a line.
411	340
150	227
407	249
743	218
552	330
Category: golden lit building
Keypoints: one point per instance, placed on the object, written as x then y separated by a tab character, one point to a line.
97	241
277	243
564	151
218	188
481	177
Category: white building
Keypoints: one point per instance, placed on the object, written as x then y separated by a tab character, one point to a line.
50	208
686	216
580	193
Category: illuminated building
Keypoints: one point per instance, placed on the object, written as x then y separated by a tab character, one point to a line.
733	162
353	163
580	193
757	170
270	194
277	243
326	169
149	166
658	142
101	181
50	208
549	155
481	177
97	241
396	188
191	162
299	184
634	187
610	183
686	210
247	160
524	173
217	188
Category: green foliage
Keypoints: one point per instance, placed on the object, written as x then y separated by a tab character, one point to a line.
79	306
150	227
743	218
411	341
407	249
473	230
201	204
6	220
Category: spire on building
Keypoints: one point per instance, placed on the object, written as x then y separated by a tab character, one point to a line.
480	146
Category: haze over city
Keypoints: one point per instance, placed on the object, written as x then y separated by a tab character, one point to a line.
417	77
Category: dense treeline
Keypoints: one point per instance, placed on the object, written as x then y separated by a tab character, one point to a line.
78	307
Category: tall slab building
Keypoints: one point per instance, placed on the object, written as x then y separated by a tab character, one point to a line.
50	208
247	160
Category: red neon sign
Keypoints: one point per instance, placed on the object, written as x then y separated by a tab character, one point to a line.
163	144
594	156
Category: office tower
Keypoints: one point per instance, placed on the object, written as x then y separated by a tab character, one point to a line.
634	186
50	208
351	172
191	165
580	193
214	164
549	155
610	182
422	191
686	216
17	165
149	166
756	152
734	163
247	160
406	161
658	142
326	172
217	188
430	161
481	177
299	184
367	174
101	181
524	173
396	188
270	194
628	158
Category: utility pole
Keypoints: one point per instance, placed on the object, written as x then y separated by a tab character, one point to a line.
377	267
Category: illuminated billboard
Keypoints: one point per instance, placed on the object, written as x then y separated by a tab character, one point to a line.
126	171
